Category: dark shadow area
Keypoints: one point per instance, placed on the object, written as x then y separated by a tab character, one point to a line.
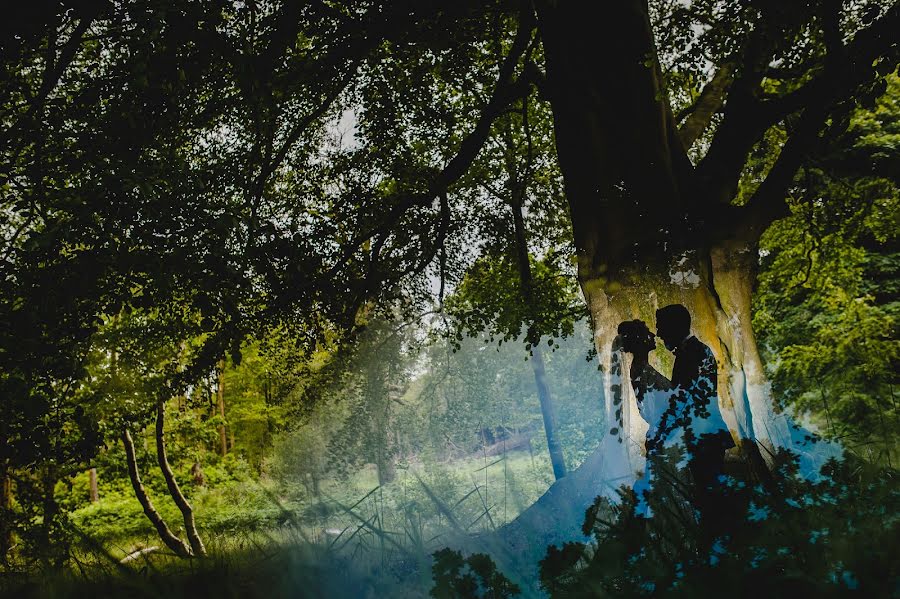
829	538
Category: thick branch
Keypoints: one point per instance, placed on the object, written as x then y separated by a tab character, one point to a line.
625	171
708	104
747	117
504	94
847	67
768	203
719	171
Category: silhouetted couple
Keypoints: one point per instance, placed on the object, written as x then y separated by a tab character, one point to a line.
681	411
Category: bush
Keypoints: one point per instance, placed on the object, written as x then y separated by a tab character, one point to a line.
814	538
476	576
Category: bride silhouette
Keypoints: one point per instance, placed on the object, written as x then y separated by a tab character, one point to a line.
681	411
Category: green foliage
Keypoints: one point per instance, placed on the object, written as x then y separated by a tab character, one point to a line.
119	516
473	577
370	387
827	306
303	454
489	303
486	385
173	193
831	537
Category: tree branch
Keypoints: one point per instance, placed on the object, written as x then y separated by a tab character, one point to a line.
747	117
55	71
505	92
709	103
768	203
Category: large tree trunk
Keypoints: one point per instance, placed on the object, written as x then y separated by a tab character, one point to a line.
718	298
648	232
645	236
179	547
721	320
181	501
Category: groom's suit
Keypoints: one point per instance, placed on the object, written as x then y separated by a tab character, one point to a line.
706	435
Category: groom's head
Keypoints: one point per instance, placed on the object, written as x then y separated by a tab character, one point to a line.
673	324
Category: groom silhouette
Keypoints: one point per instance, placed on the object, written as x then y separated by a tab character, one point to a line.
695	372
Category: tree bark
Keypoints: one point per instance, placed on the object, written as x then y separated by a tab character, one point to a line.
718	298
720	308
220	404
618	151
52	551
181	501
557	460
650	229
6	529
548	413
645	234
95	493
179	547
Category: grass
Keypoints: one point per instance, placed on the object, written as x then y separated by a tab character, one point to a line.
266	567
357	539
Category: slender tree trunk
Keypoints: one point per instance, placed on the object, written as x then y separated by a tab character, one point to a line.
378	391
548	411
174	490
540	381
95	493
53	553
6	528
179	547
220	401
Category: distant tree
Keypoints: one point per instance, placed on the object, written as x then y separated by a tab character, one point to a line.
371	388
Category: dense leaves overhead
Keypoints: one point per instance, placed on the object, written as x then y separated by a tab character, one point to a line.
180	151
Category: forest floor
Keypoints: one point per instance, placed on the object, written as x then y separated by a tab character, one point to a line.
358	538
